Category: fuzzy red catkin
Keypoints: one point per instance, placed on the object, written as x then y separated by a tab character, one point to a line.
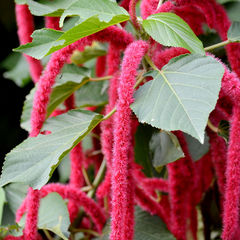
232	195
113	62
122	131
80	198
132	13
33	201
25	29
46	82
181	176
52	22
101	66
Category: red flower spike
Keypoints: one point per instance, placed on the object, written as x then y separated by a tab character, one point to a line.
232	195
122	132
101	66
52	22
113	62
46	82
25	29
132	13
33	200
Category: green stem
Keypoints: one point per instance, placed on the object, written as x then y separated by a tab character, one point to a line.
49	237
150	62
89	231
95	184
110	114
212	127
100	79
221	44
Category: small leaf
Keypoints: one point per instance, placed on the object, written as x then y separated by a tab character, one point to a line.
170	30
47	41
71	79
34	160
19	73
86	55
165	149
2	201
224	128
105	10
53	215
49	8
181	95
147	227
195	148
141	148
234	32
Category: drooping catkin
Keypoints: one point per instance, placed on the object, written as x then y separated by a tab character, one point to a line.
25	29
122	132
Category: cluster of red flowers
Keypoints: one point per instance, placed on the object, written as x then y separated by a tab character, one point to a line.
125	185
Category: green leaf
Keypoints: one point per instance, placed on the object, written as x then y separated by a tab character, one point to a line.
15	193
21	1
92	94
53	215
141	148
195	148
43	41
170	30
25	122
165	149
2	201
181	95
47	41
34	160
226	1
49	8
105	10
234	32
88	54
233	9
64	169
71	79
147	227
19	73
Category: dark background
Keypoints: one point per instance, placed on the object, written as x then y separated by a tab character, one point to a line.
11	96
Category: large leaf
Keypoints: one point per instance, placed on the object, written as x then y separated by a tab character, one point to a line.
234	32
43	41
170	30
165	149
47	41
105	10
195	148
233	9
34	160
147	227
53	215
181	95
48	8
71	79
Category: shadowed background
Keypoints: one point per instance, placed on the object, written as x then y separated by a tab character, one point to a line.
11	96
